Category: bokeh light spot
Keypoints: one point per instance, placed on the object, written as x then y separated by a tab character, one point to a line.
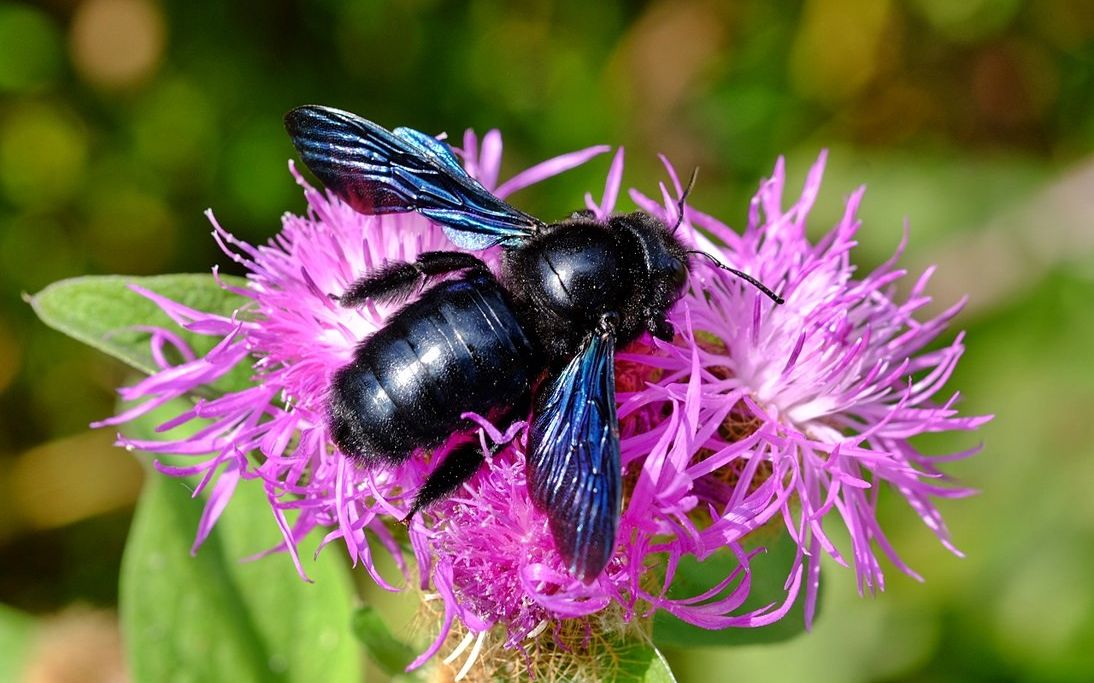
31	54
836	51
43	151
968	20
117	43
1051	581
1068	24
10	355
77	645
174	128
70	479
129	231
36	249
664	58
1013	82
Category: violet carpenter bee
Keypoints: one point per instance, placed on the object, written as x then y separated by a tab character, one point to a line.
541	335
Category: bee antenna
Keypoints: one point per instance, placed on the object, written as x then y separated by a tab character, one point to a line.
744	276
683	199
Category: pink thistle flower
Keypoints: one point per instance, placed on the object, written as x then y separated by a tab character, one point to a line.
738	422
812	403
487	552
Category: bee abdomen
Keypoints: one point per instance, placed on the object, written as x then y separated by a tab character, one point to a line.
457	349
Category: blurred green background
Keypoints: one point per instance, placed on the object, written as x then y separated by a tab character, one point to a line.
121	120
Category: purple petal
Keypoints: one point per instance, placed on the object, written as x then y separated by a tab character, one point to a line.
549	168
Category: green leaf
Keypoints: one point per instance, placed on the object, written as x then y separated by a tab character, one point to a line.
390	654
769	572
102	311
641	662
213	616
17	631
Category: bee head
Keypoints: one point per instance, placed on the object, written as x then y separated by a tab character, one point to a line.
660	272
667	266
660	268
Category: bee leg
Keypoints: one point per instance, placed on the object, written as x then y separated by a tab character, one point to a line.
396	281
459	465
463	461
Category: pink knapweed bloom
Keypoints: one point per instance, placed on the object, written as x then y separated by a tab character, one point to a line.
754	413
821	395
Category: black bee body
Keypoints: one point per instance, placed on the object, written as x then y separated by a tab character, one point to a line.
569	294
459	348
468	345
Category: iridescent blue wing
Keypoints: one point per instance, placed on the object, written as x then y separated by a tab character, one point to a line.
380	171
573	458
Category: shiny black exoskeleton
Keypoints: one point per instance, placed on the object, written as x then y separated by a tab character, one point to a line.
569	294
459	348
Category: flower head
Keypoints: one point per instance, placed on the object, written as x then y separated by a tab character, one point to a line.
752	414
825	390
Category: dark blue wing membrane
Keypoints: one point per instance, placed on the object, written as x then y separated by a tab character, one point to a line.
573	458
380	171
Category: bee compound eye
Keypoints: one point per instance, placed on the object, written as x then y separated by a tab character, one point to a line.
680	274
